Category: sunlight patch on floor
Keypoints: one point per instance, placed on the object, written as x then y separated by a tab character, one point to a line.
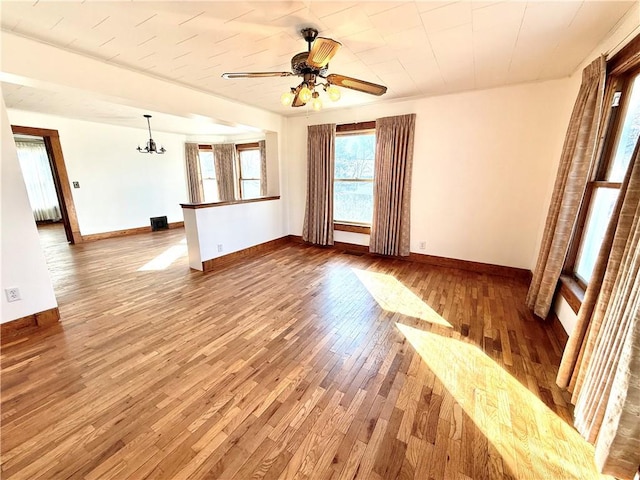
532	440
166	258
393	296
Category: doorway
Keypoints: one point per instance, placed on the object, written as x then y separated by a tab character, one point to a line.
67	211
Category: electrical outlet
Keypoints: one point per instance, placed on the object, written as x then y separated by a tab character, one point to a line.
219	247
422	245
12	293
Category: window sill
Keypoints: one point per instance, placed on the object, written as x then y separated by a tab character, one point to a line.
193	206
572	292
348	227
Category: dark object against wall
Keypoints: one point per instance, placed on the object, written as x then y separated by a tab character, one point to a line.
159	223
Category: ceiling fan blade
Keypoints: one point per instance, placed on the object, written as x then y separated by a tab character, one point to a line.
322	50
356	84
256	74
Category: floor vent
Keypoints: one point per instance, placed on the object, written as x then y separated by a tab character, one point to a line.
159	223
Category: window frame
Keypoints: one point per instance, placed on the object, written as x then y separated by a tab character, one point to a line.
208	148
242	147
613	124
352	129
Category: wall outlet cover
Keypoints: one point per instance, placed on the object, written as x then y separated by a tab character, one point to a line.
12	293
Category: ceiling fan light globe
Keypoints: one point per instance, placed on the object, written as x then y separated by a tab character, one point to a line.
334	93
305	94
316	104
286	99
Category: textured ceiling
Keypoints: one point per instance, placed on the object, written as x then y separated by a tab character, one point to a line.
415	48
74	105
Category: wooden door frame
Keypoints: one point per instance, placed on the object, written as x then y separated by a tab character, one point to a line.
60	177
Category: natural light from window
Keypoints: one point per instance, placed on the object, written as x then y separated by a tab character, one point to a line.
602	205
393	296
250	173
532	440
628	136
607	186
353	178
208	172
166	258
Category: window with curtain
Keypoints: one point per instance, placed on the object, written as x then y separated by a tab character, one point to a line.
208	172
353	176
603	189
38	178
249	170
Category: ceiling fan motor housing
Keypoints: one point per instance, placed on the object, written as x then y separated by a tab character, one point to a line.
299	65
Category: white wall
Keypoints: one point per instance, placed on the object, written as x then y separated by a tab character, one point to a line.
120	188
568	318
482	162
23	263
232	227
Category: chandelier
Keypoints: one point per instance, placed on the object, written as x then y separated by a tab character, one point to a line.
151	145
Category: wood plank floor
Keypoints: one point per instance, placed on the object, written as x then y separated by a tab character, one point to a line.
303	363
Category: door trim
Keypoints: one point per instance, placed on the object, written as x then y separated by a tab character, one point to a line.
60	177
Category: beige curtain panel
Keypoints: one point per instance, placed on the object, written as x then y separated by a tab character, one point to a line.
318	217
224	159
263	167
194	174
392	187
576	162
606	377
567	372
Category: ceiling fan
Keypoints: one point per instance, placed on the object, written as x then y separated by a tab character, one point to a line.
312	65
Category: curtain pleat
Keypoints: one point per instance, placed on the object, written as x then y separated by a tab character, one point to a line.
194	173
224	156
318	217
575	347
38	179
574	170
606	377
392	185
263	167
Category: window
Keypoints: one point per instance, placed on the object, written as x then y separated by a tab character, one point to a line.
208	171
353	176
622	134
249	168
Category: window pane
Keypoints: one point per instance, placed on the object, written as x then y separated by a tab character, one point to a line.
207	167
628	136
602	205
353	202
250	188
355	156
210	188
250	163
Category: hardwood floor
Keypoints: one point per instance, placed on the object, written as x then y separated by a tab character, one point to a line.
303	363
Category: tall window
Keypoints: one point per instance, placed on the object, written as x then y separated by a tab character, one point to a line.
353	176
249	170
622	134
208	170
